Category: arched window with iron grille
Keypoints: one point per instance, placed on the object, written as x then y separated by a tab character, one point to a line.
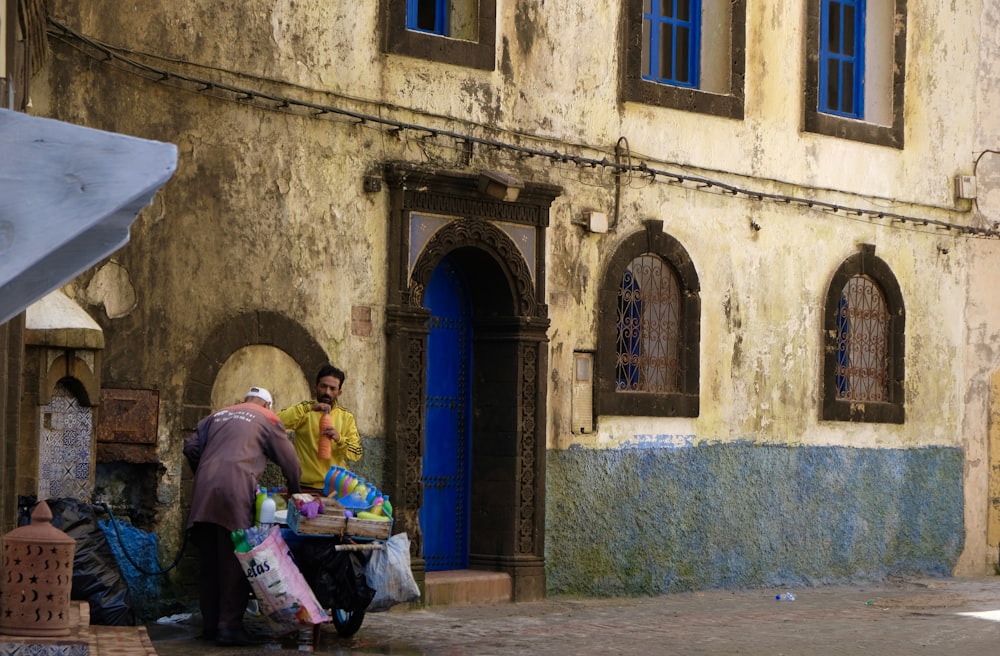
647	361
864	326
649	327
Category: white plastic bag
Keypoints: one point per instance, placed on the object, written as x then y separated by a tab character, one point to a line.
284	596
388	573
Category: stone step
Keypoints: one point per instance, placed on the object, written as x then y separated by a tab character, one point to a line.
466	587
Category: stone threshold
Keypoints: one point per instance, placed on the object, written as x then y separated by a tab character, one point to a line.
466	587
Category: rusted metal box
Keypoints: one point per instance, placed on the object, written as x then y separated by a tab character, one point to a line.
127	425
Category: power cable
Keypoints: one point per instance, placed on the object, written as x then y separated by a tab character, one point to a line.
128	556
276	102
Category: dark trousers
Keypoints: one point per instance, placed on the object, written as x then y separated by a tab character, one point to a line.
223	589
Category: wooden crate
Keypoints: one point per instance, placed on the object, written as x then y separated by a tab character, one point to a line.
326	524
371	529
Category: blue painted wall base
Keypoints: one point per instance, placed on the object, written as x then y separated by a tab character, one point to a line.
653	520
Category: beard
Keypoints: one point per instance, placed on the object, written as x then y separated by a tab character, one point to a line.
325	398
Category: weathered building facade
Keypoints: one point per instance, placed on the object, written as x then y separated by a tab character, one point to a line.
720	307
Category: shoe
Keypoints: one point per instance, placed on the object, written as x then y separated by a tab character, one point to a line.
235	638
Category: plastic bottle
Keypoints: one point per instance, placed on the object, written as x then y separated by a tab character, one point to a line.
267	508
785	596
240	541
261	495
324	447
280	502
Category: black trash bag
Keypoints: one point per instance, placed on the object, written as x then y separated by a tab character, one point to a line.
337	578
97	578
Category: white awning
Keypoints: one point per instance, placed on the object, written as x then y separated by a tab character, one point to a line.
68	196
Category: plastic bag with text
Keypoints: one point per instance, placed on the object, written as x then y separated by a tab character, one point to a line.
284	596
389	574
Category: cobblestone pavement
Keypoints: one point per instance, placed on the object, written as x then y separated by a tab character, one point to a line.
957	617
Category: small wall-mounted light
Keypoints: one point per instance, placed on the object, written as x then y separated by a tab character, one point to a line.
499	185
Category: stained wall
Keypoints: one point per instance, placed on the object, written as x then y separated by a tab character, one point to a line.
281	211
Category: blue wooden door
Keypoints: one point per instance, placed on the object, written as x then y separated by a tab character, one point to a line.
444	515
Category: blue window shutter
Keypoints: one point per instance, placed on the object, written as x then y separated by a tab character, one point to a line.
674	48
427	16
843	359
842	58
629	325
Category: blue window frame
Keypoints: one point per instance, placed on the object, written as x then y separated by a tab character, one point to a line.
427	16
842	58
672	36
459	32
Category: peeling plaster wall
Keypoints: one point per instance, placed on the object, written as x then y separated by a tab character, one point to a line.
980	425
267	211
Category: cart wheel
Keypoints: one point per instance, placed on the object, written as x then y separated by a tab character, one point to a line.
347	622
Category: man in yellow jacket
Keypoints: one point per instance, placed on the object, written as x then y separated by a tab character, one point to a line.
304	419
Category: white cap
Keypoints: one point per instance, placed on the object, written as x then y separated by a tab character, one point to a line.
260	393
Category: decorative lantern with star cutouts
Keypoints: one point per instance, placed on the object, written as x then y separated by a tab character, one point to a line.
36	579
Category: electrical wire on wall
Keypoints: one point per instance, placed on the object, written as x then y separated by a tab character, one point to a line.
622	163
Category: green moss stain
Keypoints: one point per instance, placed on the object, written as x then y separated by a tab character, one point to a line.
745	515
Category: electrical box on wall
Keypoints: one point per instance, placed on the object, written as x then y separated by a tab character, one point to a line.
965	186
597	222
583	392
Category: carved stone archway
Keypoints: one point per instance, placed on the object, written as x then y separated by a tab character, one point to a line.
500	246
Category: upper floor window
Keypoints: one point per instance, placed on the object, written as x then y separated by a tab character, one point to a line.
458	19
863	360
855	70
842	58
670	37
461	32
686	54
649	332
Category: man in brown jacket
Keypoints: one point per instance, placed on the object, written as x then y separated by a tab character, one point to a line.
227	454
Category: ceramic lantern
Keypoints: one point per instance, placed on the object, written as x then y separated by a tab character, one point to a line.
37	578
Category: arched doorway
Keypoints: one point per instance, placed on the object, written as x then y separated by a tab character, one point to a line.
442	226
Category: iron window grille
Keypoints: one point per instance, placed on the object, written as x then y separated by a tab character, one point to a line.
649	329
864	328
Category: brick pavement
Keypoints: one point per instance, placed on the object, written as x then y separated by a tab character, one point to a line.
904	617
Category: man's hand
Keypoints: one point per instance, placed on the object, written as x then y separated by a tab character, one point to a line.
330	432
